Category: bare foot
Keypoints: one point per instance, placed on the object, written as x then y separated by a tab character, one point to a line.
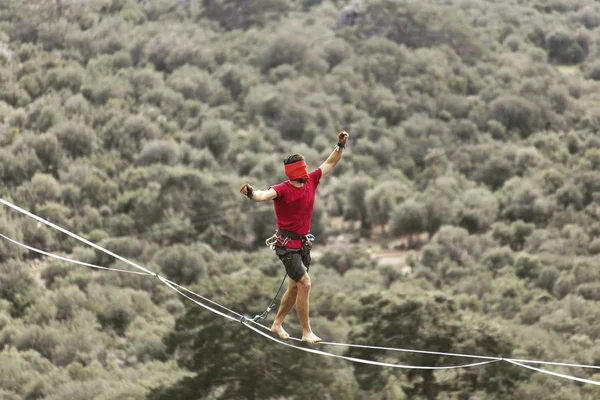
311	338
278	329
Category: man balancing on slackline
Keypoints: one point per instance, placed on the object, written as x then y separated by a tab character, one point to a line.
293	202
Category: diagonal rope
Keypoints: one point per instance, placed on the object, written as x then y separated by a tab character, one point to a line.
74	236
244	322
168	283
117	270
200	297
69	259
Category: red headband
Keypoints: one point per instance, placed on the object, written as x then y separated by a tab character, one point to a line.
296	170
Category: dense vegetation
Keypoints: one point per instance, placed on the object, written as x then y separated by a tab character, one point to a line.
133	123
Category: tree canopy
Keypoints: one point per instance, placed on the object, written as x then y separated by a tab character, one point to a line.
472	164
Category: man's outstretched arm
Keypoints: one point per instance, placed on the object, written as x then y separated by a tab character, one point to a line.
336	155
258	195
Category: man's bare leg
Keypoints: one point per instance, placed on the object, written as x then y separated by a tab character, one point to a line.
302	307
287	302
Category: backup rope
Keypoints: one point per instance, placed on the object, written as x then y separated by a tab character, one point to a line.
269	307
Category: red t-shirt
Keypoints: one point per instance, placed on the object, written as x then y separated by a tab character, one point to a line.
294	206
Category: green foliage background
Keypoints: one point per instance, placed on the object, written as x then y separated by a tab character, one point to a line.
132	123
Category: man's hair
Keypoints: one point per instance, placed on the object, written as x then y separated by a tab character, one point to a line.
292	159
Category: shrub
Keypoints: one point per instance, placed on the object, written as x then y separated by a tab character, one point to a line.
127	247
169	101
126	135
408	218
264	102
569	195
589	291
497	258
17	285
113	307
584	271
10	229
159	152
295	121
46	148
52	35
283	49
216	135
55	271
56	213
547	278
16	169
476	210
195	83
495	171
106	88
173	228
238	79
77	139
145	80
566	48
464	129
171	51
41	339
588	17
43	188
392	111
523	199
527	266
70	77
17	370
77	106
515	113
564	286
336	51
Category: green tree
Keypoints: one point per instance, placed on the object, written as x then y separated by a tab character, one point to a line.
17	286
355	207
566	48
426	322
515	113
184	264
522	199
383	198
476	210
408	218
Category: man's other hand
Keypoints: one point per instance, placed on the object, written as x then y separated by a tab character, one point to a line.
246	190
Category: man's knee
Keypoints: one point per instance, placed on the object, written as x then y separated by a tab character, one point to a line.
304	283
293	287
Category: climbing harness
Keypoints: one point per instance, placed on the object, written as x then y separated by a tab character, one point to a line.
282	238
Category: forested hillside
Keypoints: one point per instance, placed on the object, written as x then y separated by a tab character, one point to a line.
473	123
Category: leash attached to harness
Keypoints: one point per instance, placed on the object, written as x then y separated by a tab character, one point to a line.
270	307
282	238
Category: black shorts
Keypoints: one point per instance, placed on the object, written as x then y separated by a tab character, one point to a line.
295	261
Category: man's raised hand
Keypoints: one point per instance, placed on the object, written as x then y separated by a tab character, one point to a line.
342	137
